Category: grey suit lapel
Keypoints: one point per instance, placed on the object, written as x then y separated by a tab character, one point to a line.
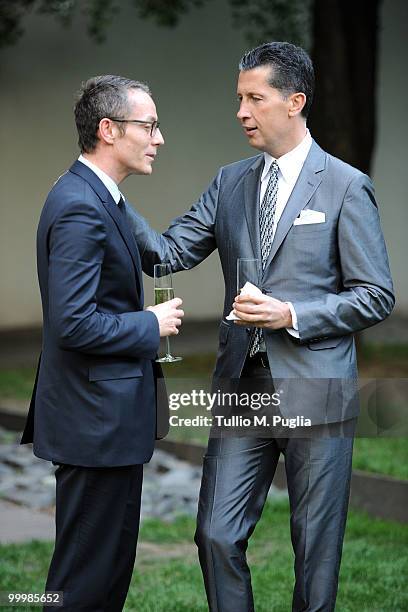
307	183
251	198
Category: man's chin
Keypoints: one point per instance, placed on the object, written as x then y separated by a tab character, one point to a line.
256	144
145	170
141	171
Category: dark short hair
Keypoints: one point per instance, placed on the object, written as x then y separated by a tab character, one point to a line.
291	68
99	97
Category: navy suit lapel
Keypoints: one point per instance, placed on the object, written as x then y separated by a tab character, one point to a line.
307	183
251	199
119	219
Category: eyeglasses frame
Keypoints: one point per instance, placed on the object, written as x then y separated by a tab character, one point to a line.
154	125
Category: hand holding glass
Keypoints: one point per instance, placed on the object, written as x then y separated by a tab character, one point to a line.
163	291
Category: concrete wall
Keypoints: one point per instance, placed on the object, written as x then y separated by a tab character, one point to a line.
192	71
391	160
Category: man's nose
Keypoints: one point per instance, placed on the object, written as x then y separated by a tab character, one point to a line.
158	138
243	112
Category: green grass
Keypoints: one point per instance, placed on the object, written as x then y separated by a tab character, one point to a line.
192	366
371	351
17	383
164	532
372	577
382	455
388	456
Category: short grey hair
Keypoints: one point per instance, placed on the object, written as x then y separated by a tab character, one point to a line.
102	96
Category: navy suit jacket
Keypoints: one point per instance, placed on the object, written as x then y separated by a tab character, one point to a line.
94	402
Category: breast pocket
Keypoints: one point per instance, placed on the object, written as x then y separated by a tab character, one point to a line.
311	243
308	229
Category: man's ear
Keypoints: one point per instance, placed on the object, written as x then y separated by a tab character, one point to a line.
107	131
296	103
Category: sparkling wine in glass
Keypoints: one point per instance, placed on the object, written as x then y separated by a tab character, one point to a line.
163	291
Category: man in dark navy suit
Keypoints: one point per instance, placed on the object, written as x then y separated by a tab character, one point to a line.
93	411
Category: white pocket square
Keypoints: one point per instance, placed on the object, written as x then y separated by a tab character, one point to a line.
308	217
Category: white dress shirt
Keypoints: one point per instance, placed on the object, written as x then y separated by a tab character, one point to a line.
290	166
109	183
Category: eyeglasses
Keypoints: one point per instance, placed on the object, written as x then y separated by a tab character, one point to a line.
154	125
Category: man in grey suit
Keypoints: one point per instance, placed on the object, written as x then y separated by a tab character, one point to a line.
313	223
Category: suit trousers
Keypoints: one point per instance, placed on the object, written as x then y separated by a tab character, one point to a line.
97	525
237	474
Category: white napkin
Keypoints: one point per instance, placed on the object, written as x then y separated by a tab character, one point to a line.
247	289
309	217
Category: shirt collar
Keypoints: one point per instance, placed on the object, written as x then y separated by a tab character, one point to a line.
291	163
109	183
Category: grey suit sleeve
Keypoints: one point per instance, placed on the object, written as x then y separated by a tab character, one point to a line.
189	239
365	296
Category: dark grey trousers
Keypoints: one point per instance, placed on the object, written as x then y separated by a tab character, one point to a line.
237	474
97	525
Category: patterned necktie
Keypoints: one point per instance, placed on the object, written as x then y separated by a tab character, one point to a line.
266	219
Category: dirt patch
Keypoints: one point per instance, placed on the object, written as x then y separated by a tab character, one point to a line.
151	551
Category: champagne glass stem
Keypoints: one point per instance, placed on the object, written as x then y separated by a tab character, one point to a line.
168	353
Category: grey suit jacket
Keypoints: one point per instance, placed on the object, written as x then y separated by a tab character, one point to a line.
335	273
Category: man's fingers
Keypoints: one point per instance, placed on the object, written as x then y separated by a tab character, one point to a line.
247	308
175	302
247	316
255	299
169	314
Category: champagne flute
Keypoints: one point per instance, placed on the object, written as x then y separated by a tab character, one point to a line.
248	270
163	291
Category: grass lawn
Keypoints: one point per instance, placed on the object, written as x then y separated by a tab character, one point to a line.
168	579
17	383
374	360
382	455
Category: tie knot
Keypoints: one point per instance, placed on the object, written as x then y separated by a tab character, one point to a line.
274	169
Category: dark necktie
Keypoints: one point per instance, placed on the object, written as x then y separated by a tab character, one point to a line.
121	206
266	219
